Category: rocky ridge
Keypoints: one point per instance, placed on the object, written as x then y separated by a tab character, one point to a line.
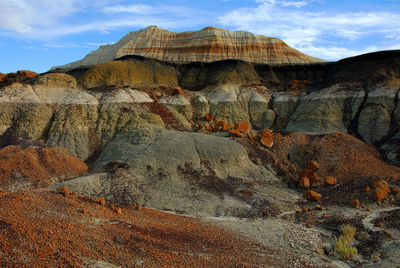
207	45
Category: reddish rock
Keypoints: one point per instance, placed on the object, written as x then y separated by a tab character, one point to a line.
251	137
64	190
312	195
26	74
225	126
235	132
246	192
266	138
2	76
309	174
304	182
216	127
381	190
154	96
312	165
396	191
207	127
389	234
101	201
355	203
243	127
367	189
177	91
331	180
209	117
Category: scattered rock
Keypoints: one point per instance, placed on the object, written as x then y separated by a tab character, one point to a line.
396	191
312	195
266	138
243	127
309	174
209	117
236	133
381	189
64	190
177	91
331	180
101	201
312	165
389	234
304	182
355	203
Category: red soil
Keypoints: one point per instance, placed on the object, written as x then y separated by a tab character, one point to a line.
167	117
42	228
37	166
338	155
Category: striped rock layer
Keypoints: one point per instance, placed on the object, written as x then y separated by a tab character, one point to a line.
208	45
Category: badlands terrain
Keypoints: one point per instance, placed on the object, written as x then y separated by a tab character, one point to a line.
208	148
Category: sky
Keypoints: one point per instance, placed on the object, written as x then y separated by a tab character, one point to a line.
39	34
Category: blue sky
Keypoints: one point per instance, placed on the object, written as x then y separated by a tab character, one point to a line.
39	34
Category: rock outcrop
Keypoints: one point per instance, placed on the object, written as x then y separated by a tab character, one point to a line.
193	173
209	44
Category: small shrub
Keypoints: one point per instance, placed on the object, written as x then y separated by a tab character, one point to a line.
343	243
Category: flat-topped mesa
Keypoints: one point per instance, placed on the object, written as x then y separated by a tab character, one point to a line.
208	45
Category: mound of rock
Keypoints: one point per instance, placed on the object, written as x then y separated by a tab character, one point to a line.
186	172
339	155
34	167
207	45
56	80
134	72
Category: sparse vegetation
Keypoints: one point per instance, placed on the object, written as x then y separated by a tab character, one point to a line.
343	243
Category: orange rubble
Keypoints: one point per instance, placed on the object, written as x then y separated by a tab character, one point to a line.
312	195
41	228
331	180
37	166
312	165
304	182
381	190
243	127
209	117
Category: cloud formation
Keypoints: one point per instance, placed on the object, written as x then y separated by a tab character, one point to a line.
307	25
23	16
319	33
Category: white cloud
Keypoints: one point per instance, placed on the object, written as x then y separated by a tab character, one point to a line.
321	34
137	9
24	15
294	4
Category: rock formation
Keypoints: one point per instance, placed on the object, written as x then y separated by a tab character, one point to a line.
207	45
192	173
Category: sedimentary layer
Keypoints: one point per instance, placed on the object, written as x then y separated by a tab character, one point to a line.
207	45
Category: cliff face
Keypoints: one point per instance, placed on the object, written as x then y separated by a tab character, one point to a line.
208	45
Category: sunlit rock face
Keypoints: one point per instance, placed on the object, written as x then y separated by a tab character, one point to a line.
208	45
